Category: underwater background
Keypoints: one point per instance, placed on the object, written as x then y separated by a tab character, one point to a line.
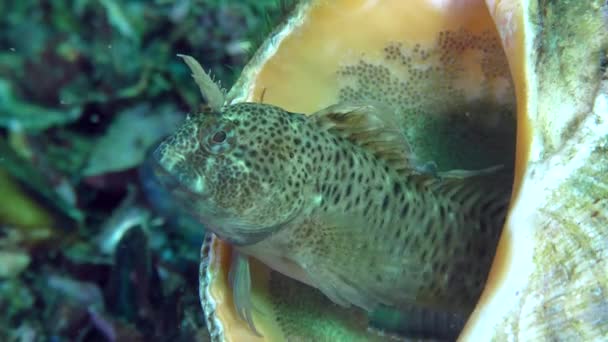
90	248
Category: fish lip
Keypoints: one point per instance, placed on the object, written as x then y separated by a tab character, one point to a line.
164	177
172	182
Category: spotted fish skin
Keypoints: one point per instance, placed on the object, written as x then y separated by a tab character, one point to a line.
333	200
247	185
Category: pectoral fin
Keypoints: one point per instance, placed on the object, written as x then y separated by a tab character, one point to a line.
339	289
240	281
336	264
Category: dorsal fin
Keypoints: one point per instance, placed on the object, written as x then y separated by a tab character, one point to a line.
373	127
210	90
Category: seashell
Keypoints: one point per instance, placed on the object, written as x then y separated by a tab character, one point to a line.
536	66
549	280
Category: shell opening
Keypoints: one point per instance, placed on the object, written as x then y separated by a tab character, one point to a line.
441	64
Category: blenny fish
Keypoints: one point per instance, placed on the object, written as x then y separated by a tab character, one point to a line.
336	200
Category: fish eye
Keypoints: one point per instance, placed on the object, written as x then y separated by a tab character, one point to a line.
219	137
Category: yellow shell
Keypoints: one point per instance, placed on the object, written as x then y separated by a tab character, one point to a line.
549	279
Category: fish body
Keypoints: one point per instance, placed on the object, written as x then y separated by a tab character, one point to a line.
336	200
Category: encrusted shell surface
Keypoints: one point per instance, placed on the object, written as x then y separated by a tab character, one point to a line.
550	276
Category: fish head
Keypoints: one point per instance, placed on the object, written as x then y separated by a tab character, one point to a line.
233	171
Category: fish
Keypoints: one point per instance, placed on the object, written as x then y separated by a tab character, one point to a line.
338	201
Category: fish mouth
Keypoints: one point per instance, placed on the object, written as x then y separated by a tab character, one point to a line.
165	178
228	227
176	182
